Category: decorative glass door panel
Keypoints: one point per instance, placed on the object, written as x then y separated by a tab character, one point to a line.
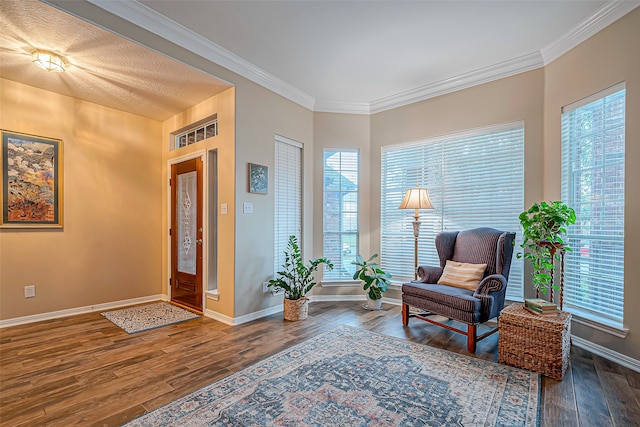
186	215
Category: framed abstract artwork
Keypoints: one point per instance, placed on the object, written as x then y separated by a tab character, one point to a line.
31	195
258	179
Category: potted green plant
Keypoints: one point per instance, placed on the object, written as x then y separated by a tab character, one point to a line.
296	280
543	226
375	280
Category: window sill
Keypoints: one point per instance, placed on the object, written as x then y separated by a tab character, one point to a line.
395	286
213	295
607	326
339	283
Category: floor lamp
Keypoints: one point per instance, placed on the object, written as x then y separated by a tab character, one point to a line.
416	198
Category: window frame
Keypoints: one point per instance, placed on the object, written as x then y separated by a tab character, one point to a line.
331	277
422	162
195	132
287	195
576	261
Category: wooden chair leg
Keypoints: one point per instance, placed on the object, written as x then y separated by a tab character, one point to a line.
405	314
471	338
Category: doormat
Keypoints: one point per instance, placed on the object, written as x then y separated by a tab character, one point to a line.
352	377
150	316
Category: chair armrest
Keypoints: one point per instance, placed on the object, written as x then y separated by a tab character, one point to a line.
491	292
491	284
429	274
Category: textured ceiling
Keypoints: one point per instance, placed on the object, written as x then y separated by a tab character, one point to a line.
103	68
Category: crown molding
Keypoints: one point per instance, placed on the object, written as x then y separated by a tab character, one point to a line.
342	107
605	16
160	25
463	81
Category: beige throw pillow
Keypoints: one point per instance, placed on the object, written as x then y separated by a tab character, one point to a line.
462	275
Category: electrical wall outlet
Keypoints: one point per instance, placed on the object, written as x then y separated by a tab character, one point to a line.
30	291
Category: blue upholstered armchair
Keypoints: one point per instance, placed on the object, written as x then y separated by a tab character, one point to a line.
469	285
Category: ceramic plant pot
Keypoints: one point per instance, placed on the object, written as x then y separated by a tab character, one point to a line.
374	304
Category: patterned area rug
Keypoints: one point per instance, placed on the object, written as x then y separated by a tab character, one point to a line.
144	317
351	377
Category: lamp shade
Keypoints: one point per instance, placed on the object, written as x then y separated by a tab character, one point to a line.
416	198
48	61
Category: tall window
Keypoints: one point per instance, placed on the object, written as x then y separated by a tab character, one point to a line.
475	179
593	146
287	178
340	212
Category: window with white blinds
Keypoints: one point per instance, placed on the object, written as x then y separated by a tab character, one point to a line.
340	212
593	147
287	179
475	179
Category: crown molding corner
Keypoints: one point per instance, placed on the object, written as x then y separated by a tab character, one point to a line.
158	24
342	107
462	81
605	16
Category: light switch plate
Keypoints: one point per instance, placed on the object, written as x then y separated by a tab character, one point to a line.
247	207
224	209
30	291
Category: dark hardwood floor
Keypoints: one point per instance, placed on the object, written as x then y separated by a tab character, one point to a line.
83	370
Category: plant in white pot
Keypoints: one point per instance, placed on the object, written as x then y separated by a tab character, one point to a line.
296	280
375	280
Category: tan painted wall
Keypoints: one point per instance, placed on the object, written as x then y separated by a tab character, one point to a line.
511	99
261	114
109	249
609	57
224	145
342	131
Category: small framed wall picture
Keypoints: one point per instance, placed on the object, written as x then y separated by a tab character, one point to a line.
258	179
31	195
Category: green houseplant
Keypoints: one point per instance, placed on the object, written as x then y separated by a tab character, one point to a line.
296	280
375	280
543	226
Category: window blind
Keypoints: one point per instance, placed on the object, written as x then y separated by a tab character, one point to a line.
340	212
593	181
475	179
287	179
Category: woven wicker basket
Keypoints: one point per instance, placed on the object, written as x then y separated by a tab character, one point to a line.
296	309
533	342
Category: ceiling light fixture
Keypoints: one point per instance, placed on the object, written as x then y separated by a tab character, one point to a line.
48	61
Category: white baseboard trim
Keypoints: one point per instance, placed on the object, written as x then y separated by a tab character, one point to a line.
338	298
614	356
332	298
278	309
79	310
393	301
233	321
